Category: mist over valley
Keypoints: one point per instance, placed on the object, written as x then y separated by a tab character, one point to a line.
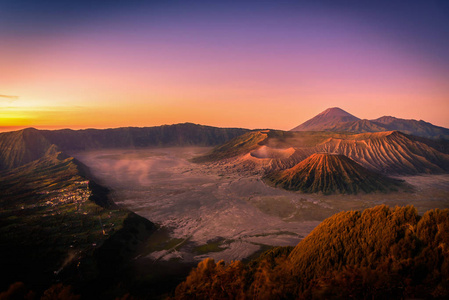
208	203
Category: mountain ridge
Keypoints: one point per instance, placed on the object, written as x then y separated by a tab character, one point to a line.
388	152
54	218
324	122
20	147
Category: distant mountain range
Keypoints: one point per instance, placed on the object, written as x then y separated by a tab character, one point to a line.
337	120
263	151
23	146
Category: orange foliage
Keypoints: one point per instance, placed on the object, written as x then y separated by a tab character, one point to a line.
59	292
380	252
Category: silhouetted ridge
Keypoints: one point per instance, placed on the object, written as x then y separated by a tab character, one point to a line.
331	173
21	147
186	134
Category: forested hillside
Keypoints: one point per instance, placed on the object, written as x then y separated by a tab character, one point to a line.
381	252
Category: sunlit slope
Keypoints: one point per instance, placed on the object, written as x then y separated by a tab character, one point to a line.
390	241
381	252
389	152
329	173
238	146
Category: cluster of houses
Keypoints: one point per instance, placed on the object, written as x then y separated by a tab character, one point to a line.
77	193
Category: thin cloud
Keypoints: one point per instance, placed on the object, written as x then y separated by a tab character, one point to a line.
9	98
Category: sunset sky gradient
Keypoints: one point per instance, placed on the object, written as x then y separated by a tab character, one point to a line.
252	64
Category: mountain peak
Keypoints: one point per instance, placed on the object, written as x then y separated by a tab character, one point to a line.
335	111
326	119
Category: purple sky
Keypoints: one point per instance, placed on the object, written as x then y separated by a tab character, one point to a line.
252	64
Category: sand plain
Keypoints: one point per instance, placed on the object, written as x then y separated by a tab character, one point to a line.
206	211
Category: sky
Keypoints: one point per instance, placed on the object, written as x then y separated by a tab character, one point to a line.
252	64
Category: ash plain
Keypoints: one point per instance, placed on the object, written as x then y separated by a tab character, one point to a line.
203	210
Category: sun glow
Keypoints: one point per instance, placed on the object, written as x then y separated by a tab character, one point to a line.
274	69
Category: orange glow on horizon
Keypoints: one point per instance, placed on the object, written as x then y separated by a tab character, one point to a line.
217	73
258	111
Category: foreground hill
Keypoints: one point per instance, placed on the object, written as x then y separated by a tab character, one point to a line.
331	173
377	253
338	120
57	225
21	147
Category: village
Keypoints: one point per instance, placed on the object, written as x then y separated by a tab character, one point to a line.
76	193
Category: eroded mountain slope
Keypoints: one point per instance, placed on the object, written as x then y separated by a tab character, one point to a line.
389	152
331	173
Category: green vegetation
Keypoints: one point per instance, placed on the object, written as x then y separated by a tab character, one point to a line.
283	207
377	253
161	240
215	245
55	225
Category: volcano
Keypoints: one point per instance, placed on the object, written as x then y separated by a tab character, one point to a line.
329	174
329	118
337	120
